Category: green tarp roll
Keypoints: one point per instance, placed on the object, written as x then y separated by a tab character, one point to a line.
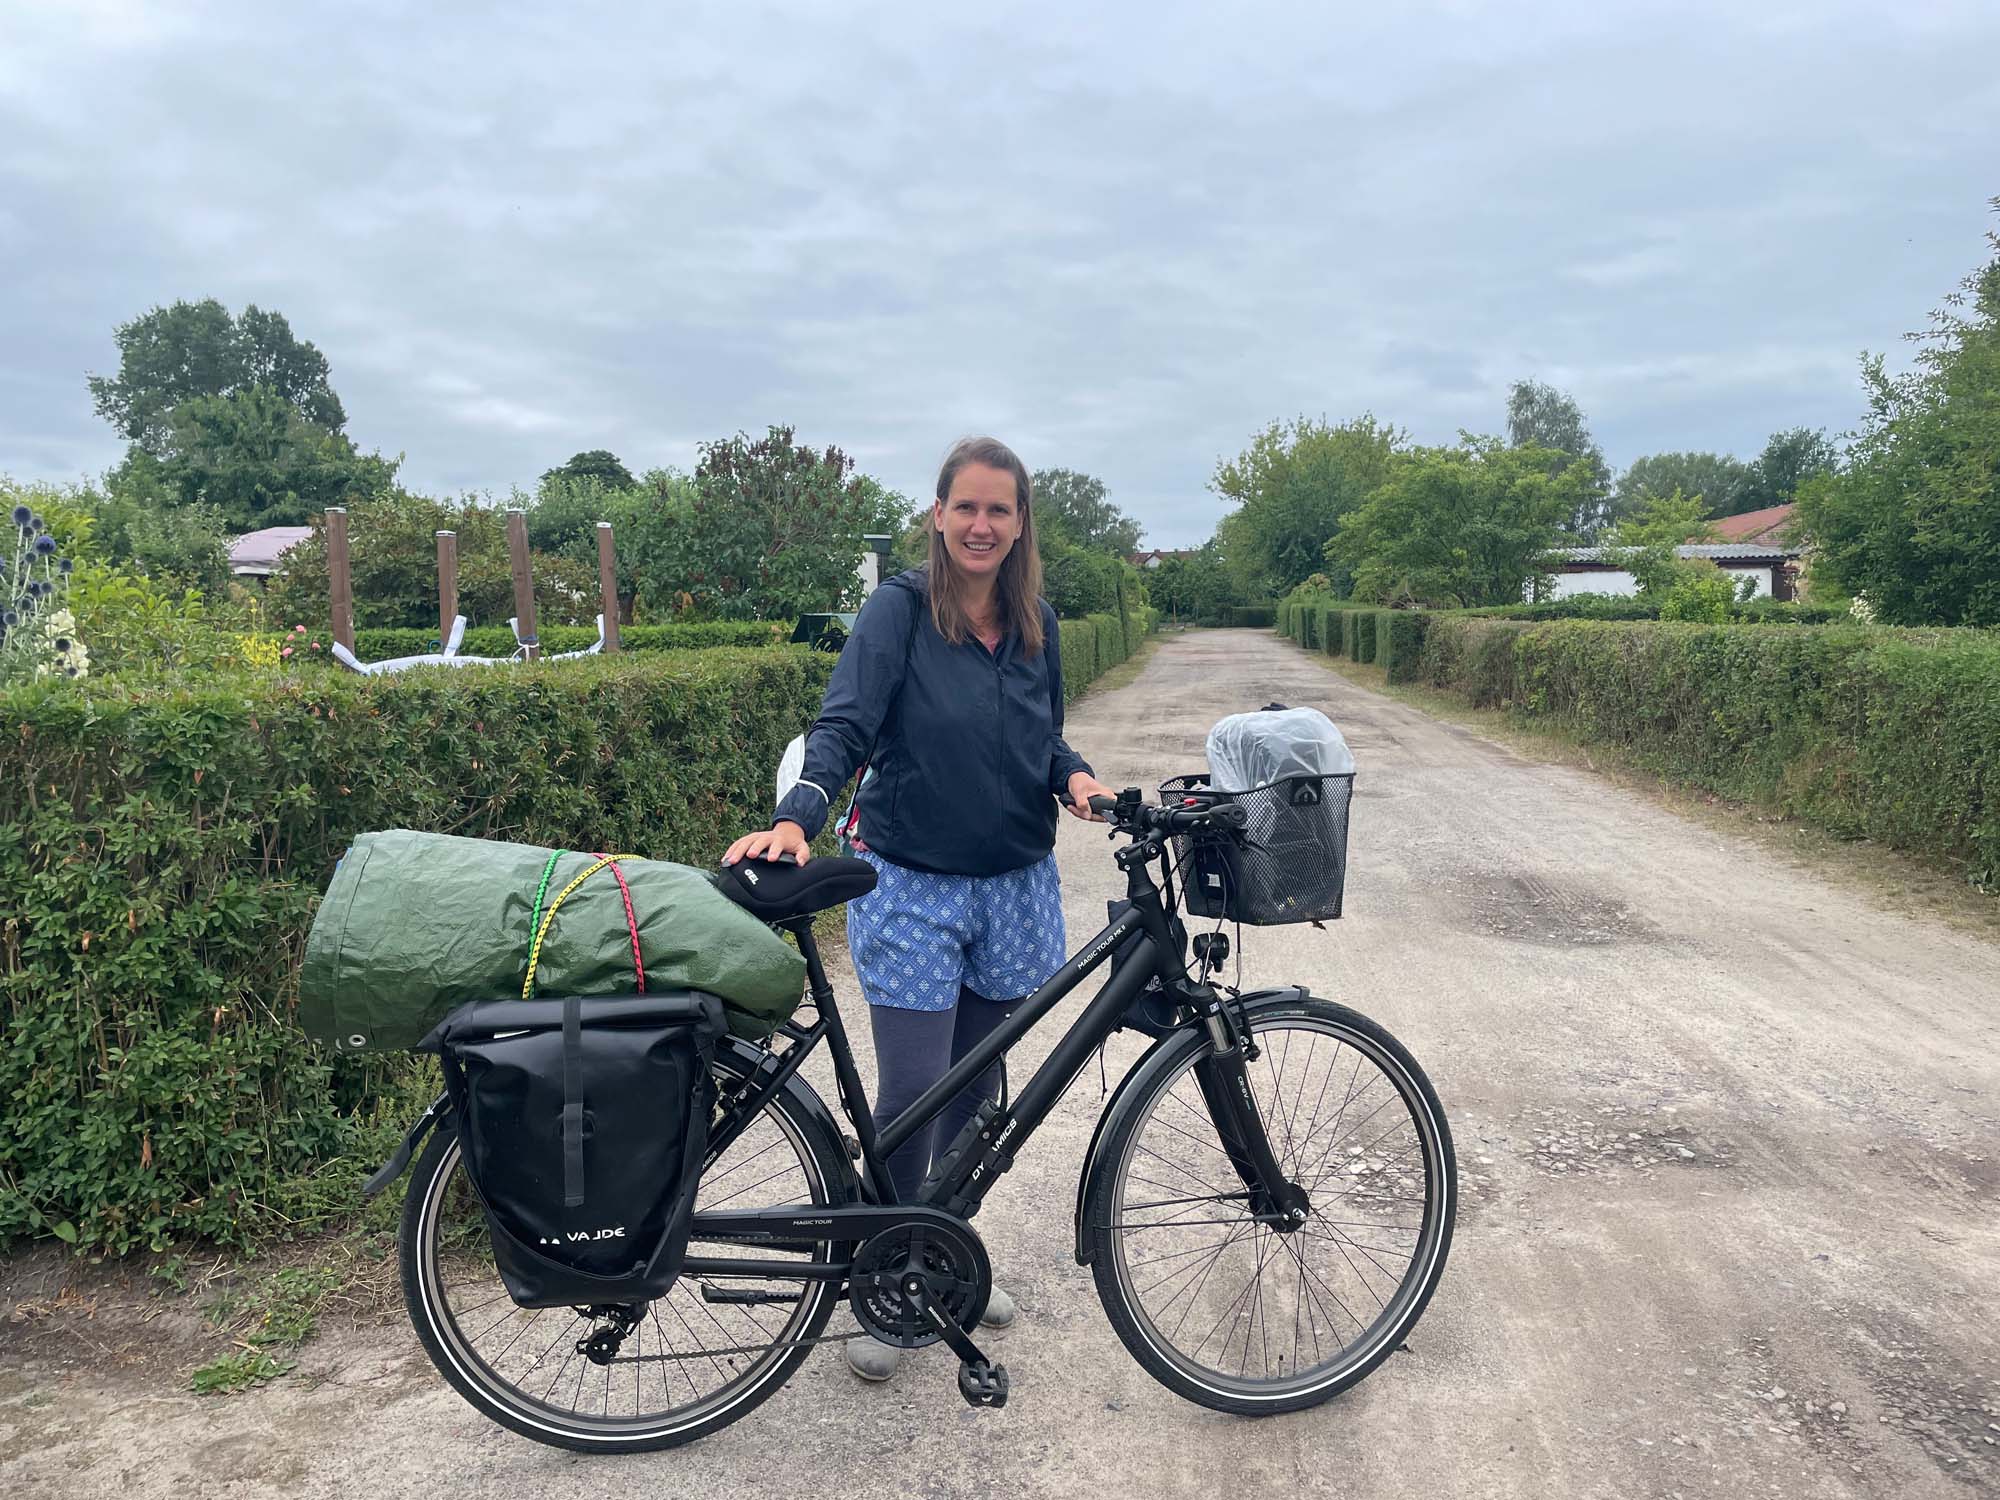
416	924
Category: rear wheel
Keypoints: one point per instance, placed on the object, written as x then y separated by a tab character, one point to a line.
682	1366
1217	1303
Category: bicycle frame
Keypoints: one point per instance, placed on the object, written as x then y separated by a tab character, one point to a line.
971	1165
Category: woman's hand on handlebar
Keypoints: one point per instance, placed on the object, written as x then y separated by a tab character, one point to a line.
1082	787
784	837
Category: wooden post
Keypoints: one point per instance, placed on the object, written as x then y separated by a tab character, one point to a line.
524	583
447	585
340	575
607	585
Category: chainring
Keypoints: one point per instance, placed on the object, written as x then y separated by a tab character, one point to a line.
956	1272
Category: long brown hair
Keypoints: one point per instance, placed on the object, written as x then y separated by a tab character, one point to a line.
1018	590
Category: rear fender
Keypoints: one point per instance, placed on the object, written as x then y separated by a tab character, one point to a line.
1141	1072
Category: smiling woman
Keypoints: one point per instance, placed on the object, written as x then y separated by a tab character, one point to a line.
950	690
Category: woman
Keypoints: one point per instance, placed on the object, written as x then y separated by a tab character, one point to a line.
951	688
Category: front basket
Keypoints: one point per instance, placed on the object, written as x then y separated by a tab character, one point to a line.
1291	864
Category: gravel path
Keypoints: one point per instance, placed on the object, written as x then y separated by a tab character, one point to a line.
1731	1216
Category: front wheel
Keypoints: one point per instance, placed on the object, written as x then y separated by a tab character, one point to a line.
1221	1304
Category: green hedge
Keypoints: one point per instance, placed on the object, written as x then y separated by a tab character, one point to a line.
1364	635
1762	611
1253	616
381	643
1399	642
1892	735
161	861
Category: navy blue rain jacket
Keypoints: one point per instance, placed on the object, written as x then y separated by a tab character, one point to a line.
969	759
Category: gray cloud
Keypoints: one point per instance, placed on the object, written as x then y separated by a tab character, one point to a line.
1123	241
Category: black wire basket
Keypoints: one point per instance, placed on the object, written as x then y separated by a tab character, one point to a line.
1291	864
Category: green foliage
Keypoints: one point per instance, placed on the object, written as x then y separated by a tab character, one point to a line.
599	467
1541	417
1200	588
1362	632
191	350
1399	642
185	546
1459	526
1788	461
774	529
1472	657
1913	525
1292	486
381	644
1075	508
1696	589
1758	611
392	547
1716	479
238	1370
254	458
1076	582
165	849
1252	616
1644	542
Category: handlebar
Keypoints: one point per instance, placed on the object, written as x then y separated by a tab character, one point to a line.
1129	814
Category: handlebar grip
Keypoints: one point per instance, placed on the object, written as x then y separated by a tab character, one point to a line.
1103	806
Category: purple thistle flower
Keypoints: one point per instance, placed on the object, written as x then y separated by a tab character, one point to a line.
45	544
23	516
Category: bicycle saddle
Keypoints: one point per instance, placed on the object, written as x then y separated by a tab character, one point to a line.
778	891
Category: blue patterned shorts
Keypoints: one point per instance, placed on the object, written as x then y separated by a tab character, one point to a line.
917	937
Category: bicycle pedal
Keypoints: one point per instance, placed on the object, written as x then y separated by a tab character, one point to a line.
982	1384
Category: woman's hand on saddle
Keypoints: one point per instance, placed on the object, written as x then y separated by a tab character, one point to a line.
784	838
1082	787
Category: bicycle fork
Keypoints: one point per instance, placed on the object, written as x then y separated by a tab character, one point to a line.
1224	1078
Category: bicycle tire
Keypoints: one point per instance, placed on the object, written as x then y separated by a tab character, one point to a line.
1114	1219
822	1161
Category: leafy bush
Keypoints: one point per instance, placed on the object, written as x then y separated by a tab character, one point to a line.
1253	616
1399	642
163	855
1471	656
1078	583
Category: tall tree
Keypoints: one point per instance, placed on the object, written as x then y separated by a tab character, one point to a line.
1715	478
773	530
599	464
1291	487
1460	526
1076	508
1540	416
1913	523
1788	461
190	350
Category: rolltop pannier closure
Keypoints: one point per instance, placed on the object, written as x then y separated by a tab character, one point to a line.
582	1124
1293	774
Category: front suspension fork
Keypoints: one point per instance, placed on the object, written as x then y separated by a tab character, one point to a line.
1224	1078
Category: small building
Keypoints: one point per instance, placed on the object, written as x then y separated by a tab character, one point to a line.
1156	556
1772	524
255	554
1772	567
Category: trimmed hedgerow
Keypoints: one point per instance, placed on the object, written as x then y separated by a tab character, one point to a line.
1399	642
1253	616
1364	635
1891	735
382	643
164	854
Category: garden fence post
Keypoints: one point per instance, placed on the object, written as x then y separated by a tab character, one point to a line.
339	575
447	585
524	584
607	584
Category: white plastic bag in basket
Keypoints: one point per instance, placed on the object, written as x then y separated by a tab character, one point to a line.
1246	751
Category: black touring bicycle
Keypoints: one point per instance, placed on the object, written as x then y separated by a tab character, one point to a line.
1266	1204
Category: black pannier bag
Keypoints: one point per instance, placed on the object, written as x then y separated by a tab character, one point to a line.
582	1125
1293	775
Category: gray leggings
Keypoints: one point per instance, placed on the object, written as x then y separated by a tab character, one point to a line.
913	1050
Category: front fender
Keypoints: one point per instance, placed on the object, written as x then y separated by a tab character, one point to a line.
1142	1071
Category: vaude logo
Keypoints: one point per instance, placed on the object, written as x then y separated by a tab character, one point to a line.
578	1236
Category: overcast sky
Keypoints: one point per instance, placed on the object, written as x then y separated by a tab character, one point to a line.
1121	240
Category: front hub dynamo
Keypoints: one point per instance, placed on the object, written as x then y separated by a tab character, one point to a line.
946	1266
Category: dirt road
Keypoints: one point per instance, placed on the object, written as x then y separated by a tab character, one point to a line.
1731	1217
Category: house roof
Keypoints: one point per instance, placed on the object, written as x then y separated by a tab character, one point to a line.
1766	525
1713	551
1147	559
259	551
